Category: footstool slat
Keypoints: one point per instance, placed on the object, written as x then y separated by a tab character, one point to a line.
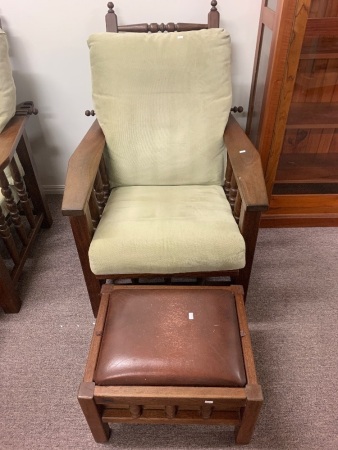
182	417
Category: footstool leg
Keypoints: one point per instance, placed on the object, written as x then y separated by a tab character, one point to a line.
100	430
244	431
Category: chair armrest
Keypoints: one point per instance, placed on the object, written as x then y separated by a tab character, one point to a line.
82	169
247	168
9	139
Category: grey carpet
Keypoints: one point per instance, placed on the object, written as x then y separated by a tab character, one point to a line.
292	310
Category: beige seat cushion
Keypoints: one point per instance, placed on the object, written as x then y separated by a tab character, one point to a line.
166	229
163	101
7	87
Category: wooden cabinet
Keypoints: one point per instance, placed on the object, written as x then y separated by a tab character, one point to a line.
293	110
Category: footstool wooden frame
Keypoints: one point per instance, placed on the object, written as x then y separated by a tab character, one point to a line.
237	406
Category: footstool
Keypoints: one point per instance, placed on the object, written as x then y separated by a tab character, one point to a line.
171	354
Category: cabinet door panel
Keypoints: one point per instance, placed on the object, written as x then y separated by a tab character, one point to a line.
309	153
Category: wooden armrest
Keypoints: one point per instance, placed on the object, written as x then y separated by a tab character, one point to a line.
82	169
246	166
9	139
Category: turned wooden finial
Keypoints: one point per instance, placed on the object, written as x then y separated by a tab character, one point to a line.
26	108
239	109
213	16
214	5
111	19
110	7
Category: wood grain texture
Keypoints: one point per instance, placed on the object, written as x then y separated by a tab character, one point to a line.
246	166
82	170
9	139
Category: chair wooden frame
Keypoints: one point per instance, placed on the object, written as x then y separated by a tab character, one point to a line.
171	404
20	225
87	186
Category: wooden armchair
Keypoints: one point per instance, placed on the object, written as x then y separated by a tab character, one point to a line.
23	209
95	195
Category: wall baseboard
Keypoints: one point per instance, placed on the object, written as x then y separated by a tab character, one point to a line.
54	189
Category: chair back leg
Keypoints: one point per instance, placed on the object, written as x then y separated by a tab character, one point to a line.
9	298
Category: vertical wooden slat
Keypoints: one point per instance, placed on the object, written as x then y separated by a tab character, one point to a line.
22	193
228	176
171	411
233	191
135	411
206	411
37	195
237	206
100	196
105	179
94	210
12	208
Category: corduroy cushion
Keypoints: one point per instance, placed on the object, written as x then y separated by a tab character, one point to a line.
166	229
162	101
7	87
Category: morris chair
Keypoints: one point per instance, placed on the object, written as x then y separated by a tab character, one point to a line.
23	209
149	192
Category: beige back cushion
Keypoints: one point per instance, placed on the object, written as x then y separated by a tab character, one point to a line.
163	101
7	87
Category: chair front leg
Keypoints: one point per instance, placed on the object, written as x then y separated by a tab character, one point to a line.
82	231
249	226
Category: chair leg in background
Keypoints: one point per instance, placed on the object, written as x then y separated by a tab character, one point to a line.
9	298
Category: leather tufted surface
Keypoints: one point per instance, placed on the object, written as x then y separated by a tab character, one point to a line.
171	337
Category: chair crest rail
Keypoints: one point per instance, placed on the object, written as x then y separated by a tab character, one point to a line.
161	27
112	25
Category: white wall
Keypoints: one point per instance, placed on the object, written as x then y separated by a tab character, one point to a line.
51	63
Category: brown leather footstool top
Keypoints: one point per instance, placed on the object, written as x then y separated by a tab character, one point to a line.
174	337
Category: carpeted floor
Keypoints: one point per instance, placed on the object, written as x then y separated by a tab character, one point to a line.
292	310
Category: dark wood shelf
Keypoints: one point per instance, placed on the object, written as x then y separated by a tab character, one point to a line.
313	115
323	26
305	188
308	168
